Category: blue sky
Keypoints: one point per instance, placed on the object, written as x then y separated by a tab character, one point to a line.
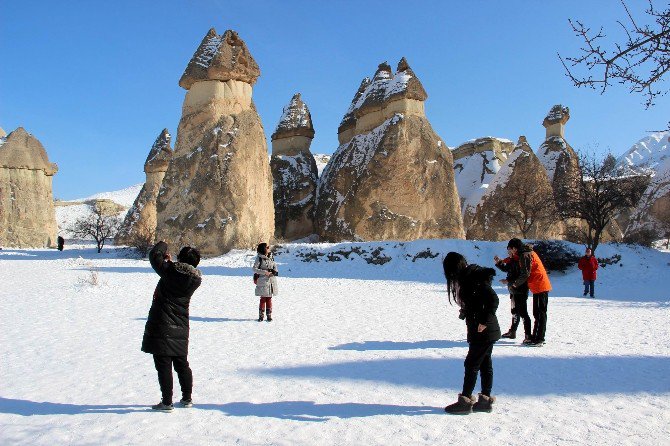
96	82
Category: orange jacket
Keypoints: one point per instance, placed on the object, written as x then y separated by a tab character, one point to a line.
532	270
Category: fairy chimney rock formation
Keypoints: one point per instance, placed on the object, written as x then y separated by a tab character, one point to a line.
555	121
27	215
556	155
139	224
561	162
295	131
2	133
294	172
380	98
392	177
518	201
217	192
222	58
476	162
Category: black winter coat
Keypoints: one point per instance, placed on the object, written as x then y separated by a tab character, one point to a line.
513	270
166	331
480	303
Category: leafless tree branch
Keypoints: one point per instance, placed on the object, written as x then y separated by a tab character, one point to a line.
639	63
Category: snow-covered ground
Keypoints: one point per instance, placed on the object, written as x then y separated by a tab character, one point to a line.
358	353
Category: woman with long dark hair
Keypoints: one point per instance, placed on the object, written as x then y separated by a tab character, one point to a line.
470	287
265	276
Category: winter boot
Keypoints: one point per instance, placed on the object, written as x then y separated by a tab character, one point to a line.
163	407
269	314
511	334
528	339
186	402
260	315
484	403
461	407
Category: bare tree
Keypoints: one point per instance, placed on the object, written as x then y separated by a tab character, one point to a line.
527	206
664	225
98	224
600	195
653	213
142	238
639	62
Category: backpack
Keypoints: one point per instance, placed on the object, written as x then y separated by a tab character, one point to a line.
256	275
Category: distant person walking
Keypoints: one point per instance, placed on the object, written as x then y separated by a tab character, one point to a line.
265	277
61	243
167	328
531	271
470	287
518	296
588	264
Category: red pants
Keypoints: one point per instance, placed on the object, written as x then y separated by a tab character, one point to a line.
265	300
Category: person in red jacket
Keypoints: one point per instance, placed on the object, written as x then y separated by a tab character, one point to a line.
588	264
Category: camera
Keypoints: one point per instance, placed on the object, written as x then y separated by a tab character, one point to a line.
274	272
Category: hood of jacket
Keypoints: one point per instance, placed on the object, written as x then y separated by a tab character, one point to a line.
525	248
189	270
476	273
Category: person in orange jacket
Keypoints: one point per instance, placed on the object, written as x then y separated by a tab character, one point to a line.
588	264
532	271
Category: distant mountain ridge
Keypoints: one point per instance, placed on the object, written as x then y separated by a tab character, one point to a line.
648	153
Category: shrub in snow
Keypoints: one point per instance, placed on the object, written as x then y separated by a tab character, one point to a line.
555	255
644	236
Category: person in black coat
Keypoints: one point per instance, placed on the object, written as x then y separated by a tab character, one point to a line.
518	295
166	330
470	287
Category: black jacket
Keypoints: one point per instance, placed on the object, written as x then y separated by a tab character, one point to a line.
166	331
480	303
513	270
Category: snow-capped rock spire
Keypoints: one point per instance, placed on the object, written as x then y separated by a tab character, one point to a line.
295	120
221	57
160	154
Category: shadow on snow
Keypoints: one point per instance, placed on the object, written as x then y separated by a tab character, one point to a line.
286	410
514	375
392	345
29	408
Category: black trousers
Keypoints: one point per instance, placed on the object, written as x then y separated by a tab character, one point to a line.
540	303
478	361
164	368
520	311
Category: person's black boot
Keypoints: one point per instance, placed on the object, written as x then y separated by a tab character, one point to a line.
511	334
260	315
269	314
162	407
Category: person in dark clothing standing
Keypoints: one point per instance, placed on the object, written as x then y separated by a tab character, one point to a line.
167	328
61	243
533	273
588	264
470	287
518	296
